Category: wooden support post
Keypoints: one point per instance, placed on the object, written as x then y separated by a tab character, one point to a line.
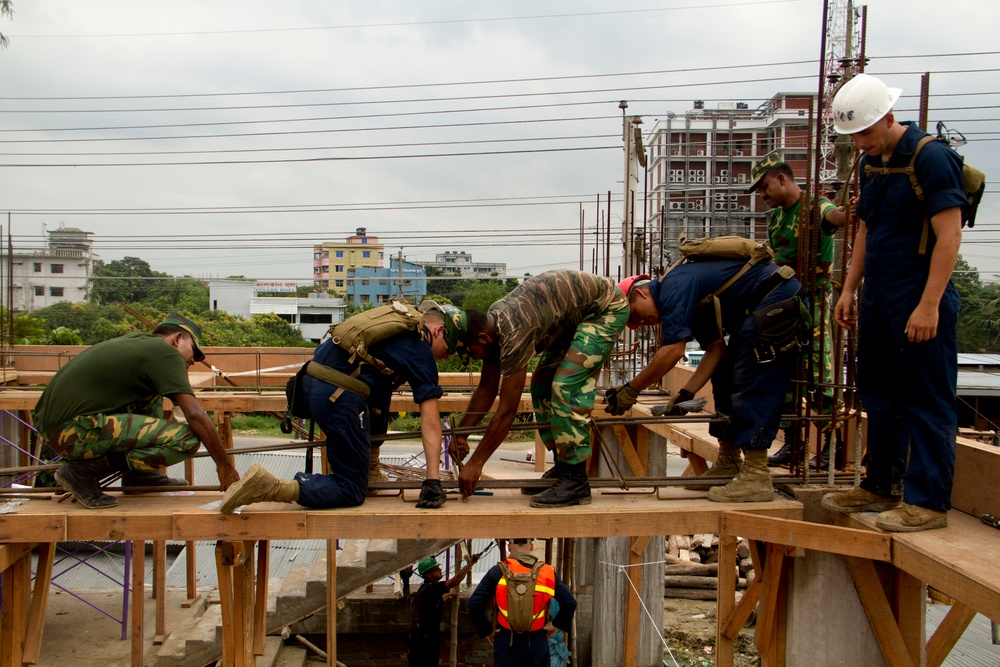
628	451
39	601
260	600
243	603
138	600
725	600
190	554
331	603
908	602
160	590
540	453
768	612
951	628
223	566
876	607
14	615
637	545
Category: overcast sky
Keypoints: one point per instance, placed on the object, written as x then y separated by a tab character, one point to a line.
227	137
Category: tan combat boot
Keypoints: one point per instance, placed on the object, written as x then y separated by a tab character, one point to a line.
258	486
910	519
375	473
752	485
727	464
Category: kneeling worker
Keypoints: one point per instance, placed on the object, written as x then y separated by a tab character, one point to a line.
103	413
349	418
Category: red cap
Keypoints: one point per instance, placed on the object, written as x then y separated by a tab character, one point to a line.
626	284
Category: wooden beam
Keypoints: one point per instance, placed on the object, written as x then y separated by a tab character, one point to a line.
138	600
820	537
27	527
725	601
260	598
876	607
952	627
224	570
331	603
909	597
738	618
160	590
39	602
628	451
11	553
13	618
770	587
632	601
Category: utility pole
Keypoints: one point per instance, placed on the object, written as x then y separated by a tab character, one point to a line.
635	156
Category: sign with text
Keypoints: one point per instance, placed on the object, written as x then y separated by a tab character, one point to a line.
274	286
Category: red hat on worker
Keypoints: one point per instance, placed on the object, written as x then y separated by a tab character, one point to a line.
626	285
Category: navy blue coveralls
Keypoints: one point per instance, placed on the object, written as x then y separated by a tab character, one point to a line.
350	421
751	393
907	389
528	649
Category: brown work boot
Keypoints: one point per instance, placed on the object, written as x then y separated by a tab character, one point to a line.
859	500
729	463
375	473
910	519
258	486
752	485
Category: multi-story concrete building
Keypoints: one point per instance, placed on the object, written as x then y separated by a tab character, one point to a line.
460	264
312	315
59	271
332	261
373	286
700	162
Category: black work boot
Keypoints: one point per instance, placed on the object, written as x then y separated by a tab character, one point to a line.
82	478
822	460
149	478
431	494
571	488
781	457
549	474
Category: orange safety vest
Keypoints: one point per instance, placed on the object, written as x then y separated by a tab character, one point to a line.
545	590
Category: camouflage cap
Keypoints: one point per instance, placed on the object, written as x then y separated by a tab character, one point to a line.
456	327
179	320
762	167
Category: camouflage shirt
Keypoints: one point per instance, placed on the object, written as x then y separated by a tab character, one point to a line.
545	310
783	234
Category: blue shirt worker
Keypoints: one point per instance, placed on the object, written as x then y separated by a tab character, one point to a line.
349	418
103	413
426	609
905	250
747	387
529	648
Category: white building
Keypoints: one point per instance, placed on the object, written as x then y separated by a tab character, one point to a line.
460	264
312	315
59	271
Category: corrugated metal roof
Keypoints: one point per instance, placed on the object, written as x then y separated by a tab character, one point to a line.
974	648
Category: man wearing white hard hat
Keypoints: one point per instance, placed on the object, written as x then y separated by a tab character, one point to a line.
905	250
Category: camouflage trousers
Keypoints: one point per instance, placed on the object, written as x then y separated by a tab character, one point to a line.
565	380
147	439
822	363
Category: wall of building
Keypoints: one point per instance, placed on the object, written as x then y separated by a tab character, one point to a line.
333	260
60	271
367	285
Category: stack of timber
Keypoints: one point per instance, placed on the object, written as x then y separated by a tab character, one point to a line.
691	571
297	602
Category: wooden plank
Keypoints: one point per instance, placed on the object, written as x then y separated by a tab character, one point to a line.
948	633
909	597
820	537
109	525
243	606
138	600
331	603
768	611
288	523
632	603
14	616
738	618
39	602
25	527
725	601
11	553
160	590
876	607
224	571
628	451
260	596
976	466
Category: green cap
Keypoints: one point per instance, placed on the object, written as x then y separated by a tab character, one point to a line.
426	565
179	320
456	327
762	167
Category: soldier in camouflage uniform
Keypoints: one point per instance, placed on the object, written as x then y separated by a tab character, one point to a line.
574	320
774	181
103	413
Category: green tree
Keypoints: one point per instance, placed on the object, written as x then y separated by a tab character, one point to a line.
128	280
28	330
482	295
65	336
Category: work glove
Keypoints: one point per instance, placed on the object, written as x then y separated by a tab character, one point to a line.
431	494
620	399
680	396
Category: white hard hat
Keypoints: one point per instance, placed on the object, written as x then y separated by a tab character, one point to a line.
862	102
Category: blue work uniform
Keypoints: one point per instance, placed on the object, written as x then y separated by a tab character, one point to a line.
517	649
351	420
751	393
907	389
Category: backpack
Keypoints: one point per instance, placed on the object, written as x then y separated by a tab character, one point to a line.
973	185
358	333
521	596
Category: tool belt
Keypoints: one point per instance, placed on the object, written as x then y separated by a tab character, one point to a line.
782	327
342	380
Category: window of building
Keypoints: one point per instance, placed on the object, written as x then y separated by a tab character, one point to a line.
340	253
381	255
366	298
366	254
55	291
338	283
316	318
383	298
38	267
288	318
339	268
57	268
364	240
39	290
364	281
